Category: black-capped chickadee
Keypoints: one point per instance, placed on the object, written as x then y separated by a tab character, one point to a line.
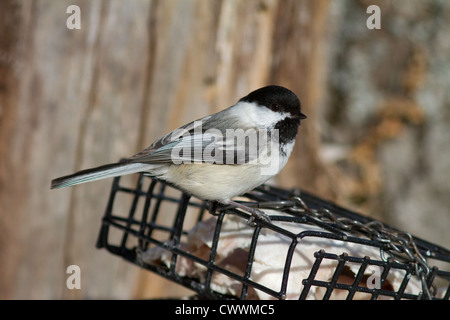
219	156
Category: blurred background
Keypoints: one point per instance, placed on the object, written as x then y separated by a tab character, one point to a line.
377	137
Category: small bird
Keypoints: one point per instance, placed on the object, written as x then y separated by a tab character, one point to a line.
219	156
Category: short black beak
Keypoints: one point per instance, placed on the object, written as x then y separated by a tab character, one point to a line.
301	116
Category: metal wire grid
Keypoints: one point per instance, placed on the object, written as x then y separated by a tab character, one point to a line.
143	222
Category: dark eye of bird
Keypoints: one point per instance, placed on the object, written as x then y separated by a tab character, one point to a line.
275	107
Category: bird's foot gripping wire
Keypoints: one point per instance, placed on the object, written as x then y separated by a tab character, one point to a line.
256	214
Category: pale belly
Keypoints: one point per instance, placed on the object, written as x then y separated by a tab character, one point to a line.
212	183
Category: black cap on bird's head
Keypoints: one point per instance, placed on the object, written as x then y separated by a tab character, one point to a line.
278	99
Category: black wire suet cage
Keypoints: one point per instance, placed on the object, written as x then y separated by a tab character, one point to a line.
311	249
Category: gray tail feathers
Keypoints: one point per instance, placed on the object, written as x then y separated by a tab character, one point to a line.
102	172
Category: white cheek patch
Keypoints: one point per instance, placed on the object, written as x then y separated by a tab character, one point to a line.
260	116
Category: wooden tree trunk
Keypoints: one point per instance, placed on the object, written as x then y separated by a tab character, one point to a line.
73	99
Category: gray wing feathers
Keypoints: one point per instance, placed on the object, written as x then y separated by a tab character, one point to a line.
203	140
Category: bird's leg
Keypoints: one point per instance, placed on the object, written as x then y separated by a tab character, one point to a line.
212	207
256	214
